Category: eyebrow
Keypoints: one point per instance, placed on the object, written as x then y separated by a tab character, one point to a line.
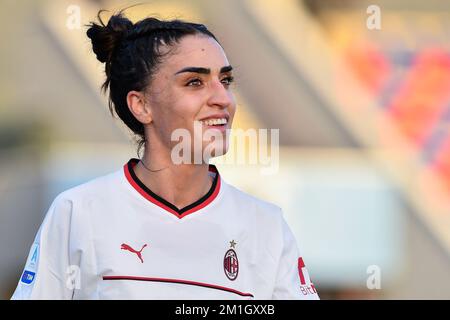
203	70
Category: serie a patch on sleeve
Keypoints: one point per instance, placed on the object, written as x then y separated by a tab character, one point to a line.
29	274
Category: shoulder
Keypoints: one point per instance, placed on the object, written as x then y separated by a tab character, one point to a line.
72	208
82	195
94	188
252	204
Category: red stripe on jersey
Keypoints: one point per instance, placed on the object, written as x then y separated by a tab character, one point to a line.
178	281
150	196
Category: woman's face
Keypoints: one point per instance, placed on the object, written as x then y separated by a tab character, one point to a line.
192	85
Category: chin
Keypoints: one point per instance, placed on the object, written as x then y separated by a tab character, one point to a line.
219	152
215	149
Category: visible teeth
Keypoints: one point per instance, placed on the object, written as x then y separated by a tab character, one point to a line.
213	122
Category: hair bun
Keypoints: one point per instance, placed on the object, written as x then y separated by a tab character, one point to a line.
106	38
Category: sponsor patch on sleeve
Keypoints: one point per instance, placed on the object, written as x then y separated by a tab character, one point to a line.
28	277
31	267
33	258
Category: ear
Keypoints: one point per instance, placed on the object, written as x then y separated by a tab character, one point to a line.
139	107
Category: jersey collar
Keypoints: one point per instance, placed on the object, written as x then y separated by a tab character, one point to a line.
140	187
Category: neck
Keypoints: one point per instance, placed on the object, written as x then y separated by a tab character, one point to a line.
179	184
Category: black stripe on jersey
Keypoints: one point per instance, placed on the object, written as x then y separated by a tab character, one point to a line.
134	161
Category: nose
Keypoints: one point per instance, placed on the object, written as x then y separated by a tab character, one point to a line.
220	96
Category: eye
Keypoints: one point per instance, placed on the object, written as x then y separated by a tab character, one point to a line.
228	80
194	83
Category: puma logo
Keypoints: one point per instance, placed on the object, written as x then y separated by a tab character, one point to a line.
138	253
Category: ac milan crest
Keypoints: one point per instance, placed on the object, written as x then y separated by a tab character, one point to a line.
231	264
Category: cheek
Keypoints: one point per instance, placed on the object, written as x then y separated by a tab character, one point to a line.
165	120
187	109
180	114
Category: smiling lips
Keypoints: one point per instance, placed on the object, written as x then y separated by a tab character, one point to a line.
214	122
219	124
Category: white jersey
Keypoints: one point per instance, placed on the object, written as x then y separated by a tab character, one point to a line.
113	238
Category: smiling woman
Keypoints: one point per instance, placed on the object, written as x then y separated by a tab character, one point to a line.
156	228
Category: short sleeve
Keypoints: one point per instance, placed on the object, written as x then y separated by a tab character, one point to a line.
292	280
47	265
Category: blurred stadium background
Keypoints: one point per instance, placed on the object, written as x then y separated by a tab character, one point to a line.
364	118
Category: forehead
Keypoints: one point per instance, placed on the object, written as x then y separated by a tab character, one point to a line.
196	51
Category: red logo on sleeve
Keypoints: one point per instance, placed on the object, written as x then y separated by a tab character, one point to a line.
301	265
305	289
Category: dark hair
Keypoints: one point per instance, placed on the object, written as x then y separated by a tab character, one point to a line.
131	53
